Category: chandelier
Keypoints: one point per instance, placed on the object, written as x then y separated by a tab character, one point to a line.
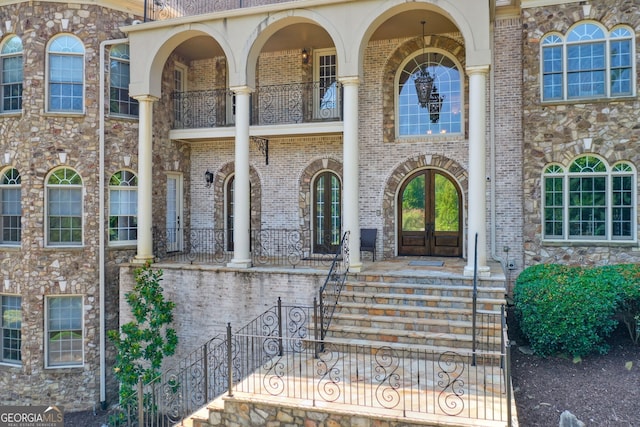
427	91
423	79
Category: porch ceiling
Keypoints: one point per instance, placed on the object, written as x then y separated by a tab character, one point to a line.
297	36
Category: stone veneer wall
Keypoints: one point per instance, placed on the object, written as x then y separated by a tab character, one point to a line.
555	132
33	139
239	412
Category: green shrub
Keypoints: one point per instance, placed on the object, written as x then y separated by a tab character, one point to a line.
572	310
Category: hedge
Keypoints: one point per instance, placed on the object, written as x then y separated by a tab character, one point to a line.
573	310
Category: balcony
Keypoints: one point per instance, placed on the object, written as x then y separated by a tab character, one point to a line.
270	105
159	10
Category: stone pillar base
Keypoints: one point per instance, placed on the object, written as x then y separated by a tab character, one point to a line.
143	259
482	271
240	263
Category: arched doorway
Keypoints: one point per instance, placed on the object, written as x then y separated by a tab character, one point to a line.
430	215
327	218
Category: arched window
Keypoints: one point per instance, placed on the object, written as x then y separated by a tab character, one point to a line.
327	217
589	201
12	74
11	199
119	77
66	74
589	62
440	111
64	208
123	207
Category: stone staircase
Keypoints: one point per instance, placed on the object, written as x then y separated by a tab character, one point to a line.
404	311
433	313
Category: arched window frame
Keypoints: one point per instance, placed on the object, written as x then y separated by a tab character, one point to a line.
123	208
412	119
11	207
64	208
120	103
11	76
603	64
65	75
589	201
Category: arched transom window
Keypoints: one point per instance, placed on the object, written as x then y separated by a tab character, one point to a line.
589	62
64	208
589	201
440	110
66	74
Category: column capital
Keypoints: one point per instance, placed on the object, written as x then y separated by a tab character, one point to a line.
477	69
349	80
238	90
146	98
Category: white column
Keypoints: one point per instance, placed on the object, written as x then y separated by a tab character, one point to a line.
351	167
242	189
476	213
145	179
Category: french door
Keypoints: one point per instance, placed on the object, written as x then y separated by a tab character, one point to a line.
327	218
175	234
430	215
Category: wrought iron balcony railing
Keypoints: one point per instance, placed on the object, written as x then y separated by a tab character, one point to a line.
270	105
159	10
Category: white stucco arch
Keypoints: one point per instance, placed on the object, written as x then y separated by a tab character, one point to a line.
273	23
470	16
152	49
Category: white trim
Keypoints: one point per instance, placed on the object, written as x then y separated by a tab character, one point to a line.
47	363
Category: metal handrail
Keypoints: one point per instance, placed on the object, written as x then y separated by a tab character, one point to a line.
329	292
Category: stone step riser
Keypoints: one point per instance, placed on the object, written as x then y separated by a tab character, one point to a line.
454	342
381	289
400	314
419	327
419	309
426	281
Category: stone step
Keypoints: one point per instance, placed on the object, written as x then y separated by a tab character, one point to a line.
424	324
399	302
422	350
380	336
445	290
449	279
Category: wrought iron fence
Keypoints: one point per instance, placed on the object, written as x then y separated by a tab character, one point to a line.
268	247
158	10
205	372
277	355
409	381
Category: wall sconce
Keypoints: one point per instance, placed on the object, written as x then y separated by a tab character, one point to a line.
208	178
304	56
62	156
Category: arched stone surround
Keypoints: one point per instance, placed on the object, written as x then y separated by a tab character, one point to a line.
306	193
398	175
256	196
